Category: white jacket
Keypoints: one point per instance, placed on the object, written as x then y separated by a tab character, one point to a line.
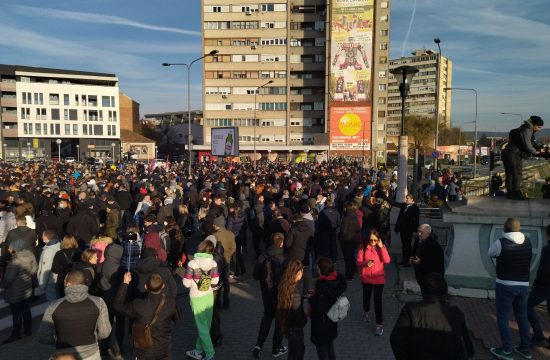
45	274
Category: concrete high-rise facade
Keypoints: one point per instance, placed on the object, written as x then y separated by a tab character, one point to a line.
422	97
270	75
39	106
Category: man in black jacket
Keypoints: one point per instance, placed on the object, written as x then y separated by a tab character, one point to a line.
349	230
22	231
268	270
431	329
214	211
540	293
521	145
406	226
428	255
328	226
142	311
84	224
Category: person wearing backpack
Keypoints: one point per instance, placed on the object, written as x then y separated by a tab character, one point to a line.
268	271
371	260
63	261
328	288
201	274
156	310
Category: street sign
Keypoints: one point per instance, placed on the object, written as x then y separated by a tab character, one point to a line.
435	154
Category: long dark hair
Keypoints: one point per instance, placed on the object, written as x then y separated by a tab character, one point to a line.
287	286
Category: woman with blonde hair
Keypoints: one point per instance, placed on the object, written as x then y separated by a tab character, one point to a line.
63	259
290	310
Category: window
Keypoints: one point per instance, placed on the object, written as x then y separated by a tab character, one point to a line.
66	114
114	130
75	129
25	129
73	114
105	101
382	87
98	129
381	100
383	59
216	9
55	114
84	129
24	100
381	74
83	100
67	129
268	7
66	99
113	101
384	18
76	100
384	4
381	114
57	129
384	46
45	129
54	99
384	32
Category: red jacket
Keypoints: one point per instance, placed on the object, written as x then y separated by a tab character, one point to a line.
374	274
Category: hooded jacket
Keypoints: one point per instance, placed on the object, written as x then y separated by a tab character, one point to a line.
327	290
17	281
76	322
349	229
45	274
299	238
148	265
206	263
99	245
513	253
109	274
83	225
374	274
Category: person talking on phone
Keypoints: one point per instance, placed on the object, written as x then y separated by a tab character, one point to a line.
428	255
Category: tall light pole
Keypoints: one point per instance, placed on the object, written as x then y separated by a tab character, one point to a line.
475	124
77	153
437	41
188	66
255	120
509	113
28	150
58	142
113	144
403	75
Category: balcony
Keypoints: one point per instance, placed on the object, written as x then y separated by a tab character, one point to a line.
9	101
306	82
10	133
7	85
9	117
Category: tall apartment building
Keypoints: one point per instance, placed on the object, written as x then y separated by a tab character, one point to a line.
270	75
39	106
423	91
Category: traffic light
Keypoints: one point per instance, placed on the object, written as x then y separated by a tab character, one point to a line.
491	161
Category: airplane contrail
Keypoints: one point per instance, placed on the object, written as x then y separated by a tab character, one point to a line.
408	30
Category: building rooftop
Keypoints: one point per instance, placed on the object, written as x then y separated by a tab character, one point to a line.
133	137
12	69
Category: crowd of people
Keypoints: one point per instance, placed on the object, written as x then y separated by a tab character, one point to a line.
109	248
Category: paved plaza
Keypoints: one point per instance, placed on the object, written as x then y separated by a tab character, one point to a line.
240	323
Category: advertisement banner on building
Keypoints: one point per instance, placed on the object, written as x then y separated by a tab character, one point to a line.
351	50
350	128
225	141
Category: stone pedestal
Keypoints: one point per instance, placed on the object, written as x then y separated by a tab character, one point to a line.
473	227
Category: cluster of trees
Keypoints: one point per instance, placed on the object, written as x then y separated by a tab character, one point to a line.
421	132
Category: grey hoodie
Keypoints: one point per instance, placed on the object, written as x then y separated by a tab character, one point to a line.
17	280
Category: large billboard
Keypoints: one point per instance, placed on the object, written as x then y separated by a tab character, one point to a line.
351	63
350	127
225	141
351	50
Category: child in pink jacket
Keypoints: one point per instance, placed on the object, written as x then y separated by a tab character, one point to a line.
371	260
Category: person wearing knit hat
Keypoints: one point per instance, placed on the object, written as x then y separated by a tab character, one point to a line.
521	145
431	328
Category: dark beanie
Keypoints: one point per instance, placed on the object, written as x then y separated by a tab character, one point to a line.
434	284
536	120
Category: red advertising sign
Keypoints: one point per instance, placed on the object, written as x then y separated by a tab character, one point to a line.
350	127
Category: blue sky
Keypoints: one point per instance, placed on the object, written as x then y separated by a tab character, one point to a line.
500	48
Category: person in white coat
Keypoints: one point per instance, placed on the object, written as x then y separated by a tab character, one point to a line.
47	280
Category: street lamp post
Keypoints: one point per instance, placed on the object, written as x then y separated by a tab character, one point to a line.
188	66
113	153
475	125
77	153
256	120
5	153
509	113
403	75
437	71
58	142
28	150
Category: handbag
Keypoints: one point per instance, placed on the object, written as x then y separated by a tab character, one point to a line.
339	310
141	333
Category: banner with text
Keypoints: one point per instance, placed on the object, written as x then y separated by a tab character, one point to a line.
350	128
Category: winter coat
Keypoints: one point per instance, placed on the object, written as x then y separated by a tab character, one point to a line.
277	254
124	199
164	212
17	281
237	225
99	245
213	212
7	223
206	263
408	219
148	265
227	239
112	223
49	222
430	330
151	240
142	311
22	232
349	230
431	258
327	290
543	273
109	275
374	274
75	323
298	241
45	274
83	225
176	243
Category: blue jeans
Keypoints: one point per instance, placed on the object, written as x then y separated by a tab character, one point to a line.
507	297
537	296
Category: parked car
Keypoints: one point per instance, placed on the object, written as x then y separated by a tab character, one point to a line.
69	159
